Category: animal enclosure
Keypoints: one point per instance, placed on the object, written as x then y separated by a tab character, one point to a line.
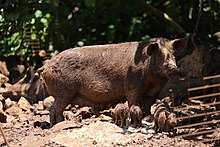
198	118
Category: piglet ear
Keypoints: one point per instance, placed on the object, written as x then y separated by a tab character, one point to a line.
179	44
152	48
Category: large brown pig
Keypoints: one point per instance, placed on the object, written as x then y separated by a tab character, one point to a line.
105	74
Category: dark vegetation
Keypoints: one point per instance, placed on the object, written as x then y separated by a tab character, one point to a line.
33	29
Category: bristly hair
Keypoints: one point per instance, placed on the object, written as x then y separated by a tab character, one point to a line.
159	40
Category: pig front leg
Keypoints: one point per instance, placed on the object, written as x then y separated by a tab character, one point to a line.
133	97
133	90
147	102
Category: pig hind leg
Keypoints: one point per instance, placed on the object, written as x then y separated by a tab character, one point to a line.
140	121
56	111
135	122
122	121
116	118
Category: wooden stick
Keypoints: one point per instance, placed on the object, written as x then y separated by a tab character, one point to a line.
204	96
211	77
203	105
196	133
203	87
197	115
3	134
197	124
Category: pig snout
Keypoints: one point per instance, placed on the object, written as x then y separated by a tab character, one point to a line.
173	123
172	120
174	71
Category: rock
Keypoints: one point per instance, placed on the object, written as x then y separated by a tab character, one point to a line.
8	103
1	98
105	118
151	131
10	119
45	118
40	106
24	104
24	118
85	112
7	85
1	107
100	134
3	79
42	112
35	107
48	102
68	115
14	111
64	125
144	131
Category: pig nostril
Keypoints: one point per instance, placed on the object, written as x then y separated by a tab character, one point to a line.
173	124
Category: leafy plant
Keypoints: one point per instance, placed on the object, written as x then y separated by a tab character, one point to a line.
58	25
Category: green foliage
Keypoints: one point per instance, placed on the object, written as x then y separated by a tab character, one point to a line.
59	25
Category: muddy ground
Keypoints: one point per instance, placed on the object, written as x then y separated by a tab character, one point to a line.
28	125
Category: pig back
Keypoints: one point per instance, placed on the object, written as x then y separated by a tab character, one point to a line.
95	73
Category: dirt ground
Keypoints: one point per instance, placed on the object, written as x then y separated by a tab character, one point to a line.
28	126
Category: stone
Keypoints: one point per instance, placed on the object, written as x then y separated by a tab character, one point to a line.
24	118
40	105
85	112
14	111
10	119
65	125
42	112
8	103
1	98
68	115
103	117
48	102
24	104
1	107
3	79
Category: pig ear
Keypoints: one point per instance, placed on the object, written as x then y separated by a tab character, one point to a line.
152	48
179	44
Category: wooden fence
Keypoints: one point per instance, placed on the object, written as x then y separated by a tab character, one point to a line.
206	122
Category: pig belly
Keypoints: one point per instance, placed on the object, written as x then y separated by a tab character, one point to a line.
102	92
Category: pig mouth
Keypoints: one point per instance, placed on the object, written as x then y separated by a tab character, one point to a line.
173	124
172	73
169	73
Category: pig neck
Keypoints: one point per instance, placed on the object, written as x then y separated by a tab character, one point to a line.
150	77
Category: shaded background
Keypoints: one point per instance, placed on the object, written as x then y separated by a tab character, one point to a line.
34	29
